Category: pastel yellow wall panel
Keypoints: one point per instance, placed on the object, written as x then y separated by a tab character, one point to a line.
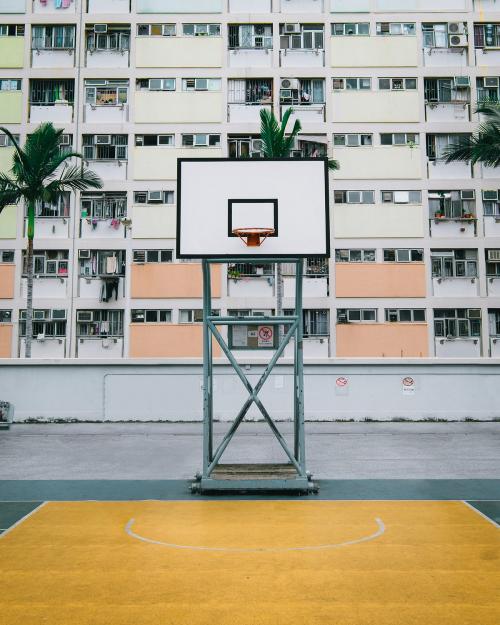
6	159
373	51
179	52
11	107
8	222
376	106
368	221
391	162
11	52
153	222
177	107
158	163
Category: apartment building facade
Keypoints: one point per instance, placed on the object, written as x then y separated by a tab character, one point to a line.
383	86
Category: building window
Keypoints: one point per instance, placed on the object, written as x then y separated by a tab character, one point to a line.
156	84
354	197
249	270
106	92
11	30
201	30
154	140
58	209
99	323
156	30
350	28
399	138
452	204
401	197
438	145
6	142
5	316
48	264
50	92
405	315
447	90
252	91
250	36
397	84
349	84
304	37
153	197
105	147
114	39
491	203
302	91
46	323
97	263
454	323
10	84
488	89
194	315
388	29
493	263
403	256
354	256
244	147
103	205
356	315
454	263
201	84
152	256
200	140
53	37
7	256
487	35
354	140
151	316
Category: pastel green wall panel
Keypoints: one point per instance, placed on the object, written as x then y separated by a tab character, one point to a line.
6	159
11	52
8	222
11	103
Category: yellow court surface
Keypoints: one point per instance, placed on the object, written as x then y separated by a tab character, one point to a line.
251	563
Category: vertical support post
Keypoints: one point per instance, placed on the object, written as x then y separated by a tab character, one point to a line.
300	451
207	369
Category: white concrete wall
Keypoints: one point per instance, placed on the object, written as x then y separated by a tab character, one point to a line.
105	114
455	287
453	229
100	348
109	170
250	58
447	112
445	57
49	8
491	226
251	287
302	58
54	59
487	58
103	230
148	390
58	114
48	348
13	6
52	227
243	113
439	170
458	348
107	59
250	6
109	6
301	6
311	287
46	288
493	286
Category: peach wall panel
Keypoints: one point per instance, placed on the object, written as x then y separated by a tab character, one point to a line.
7	273
374	340
5	340
153	340
171	280
380	280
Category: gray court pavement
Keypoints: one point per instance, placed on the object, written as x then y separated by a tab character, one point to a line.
173	451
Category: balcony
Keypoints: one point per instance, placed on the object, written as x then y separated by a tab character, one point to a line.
111	169
53	58
445	57
438	169
381	340
488	57
109	49
48	347
50	227
60	113
495	346
250	6
244	280
179	6
378	221
447	111
13	6
246	113
301	6
251	57
313	346
94	288
457	347
455	227
103	215
106	114
7	277
99	347
491	225
48	7
47	287
306	113
455	286
493	286
108	6
291	57
11	52
489	172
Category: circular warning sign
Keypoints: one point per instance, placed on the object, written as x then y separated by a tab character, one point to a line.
408	381
341	382
265	333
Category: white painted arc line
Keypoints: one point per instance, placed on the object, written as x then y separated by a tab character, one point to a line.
487	518
21	520
379	532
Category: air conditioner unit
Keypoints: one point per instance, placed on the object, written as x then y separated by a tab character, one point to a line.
474	313
296	154
256	145
285	94
103	139
491	81
468	194
494	255
65	140
289	83
490	196
456	28
83	253
85	315
139	256
155	196
259	29
291	28
457	41
401	197
342	318
461	82
100	28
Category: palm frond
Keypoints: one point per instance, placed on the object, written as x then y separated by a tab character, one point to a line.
73	178
18	151
269	132
41	150
482	147
10	191
289	141
333	165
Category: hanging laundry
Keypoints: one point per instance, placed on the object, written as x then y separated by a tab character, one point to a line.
58	4
111	264
104	327
66	3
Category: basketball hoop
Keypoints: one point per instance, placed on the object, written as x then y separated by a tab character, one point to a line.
253	237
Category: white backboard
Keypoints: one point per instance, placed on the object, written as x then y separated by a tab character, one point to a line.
215	196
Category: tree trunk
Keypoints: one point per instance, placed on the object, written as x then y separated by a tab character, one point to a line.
279	298
29	271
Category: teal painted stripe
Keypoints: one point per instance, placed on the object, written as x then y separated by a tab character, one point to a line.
11	512
491	509
136	490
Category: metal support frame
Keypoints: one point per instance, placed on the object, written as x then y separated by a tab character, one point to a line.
215	476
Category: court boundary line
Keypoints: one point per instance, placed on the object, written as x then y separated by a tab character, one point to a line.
229	498
485	516
380	531
22	519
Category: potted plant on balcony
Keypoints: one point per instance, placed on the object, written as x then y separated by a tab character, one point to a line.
232	272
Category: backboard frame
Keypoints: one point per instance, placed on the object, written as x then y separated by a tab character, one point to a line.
232	255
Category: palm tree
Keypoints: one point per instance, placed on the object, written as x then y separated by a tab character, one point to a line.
40	173
277	144
484	145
